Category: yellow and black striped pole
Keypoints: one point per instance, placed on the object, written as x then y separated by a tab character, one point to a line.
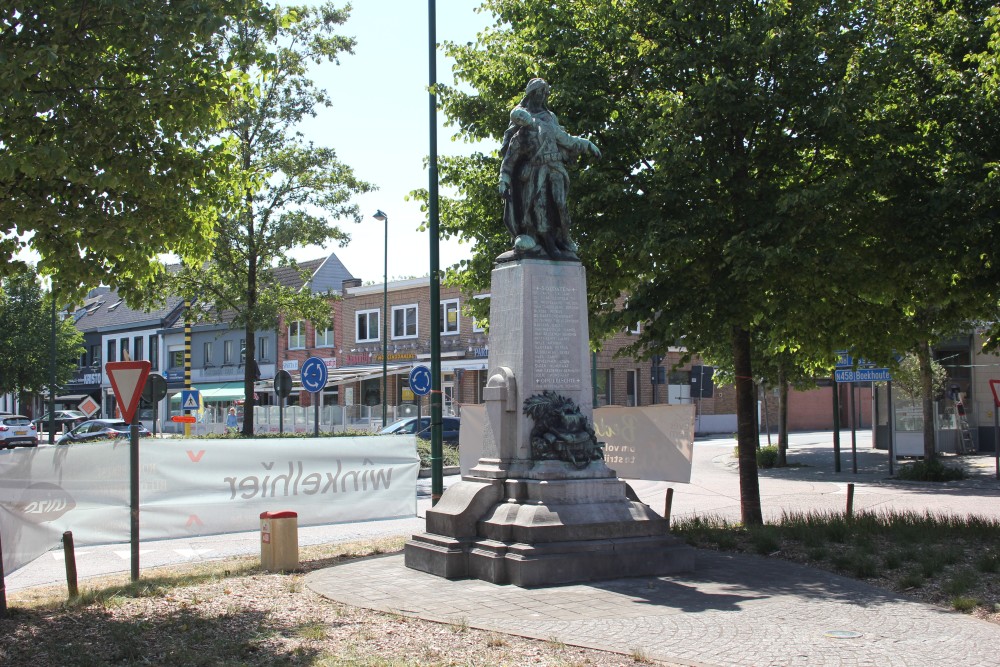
187	358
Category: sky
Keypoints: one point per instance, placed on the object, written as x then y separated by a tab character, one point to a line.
378	125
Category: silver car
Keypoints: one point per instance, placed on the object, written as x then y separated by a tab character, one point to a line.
17	430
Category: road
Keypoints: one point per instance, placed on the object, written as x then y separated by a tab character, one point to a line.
810	484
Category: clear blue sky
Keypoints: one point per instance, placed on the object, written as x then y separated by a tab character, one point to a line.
379	122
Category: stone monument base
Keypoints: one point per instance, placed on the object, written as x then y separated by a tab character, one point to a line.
538	531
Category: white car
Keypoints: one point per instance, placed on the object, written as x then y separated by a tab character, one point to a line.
17	430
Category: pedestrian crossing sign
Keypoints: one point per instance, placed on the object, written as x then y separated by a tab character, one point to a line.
190	399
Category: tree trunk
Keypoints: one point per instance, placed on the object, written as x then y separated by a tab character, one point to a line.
782	420
927	396
746	435
249	379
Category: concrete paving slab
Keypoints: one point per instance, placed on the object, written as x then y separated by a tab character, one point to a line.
732	611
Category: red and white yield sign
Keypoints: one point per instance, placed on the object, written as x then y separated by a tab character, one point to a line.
127	379
995	386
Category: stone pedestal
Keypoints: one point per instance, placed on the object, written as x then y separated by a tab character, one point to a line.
528	522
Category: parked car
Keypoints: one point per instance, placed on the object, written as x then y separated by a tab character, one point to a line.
65	420
449	428
100	429
17	430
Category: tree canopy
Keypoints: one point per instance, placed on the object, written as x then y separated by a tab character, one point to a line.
26	338
108	138
753	181
293	190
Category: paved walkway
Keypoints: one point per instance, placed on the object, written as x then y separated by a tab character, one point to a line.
733	610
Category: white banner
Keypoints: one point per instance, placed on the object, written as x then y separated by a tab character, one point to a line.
197	487
652	442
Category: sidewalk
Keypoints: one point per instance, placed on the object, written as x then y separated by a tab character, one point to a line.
733	610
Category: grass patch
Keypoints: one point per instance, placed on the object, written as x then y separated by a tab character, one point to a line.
964	604
937	558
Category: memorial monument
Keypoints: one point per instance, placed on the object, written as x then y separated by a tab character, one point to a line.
541	507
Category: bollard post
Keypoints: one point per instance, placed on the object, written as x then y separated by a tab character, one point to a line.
69	556
850	500
667	505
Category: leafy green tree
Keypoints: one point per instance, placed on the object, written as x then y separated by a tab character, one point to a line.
25	339
294	187
751	188
717	122
107	150
931	144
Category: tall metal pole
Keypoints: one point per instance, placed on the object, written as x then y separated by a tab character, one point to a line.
52	370
385	322
437	477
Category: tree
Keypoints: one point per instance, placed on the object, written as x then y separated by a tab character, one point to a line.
25	339
294	188
743	202
931	147
107	155
718	123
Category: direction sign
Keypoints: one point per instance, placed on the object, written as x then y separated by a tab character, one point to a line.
127	379
283	383
420	380
314	375
155	389
863	375
190	399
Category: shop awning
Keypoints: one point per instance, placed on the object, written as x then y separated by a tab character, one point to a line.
216	392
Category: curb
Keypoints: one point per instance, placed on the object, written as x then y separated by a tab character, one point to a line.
447	470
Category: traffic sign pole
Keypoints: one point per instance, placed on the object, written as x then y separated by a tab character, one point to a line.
314	376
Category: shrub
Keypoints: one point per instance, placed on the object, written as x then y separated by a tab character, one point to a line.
930	471
767	457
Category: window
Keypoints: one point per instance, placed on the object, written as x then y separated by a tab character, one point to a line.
95	355
176	358
324	338
137	348
154	353
227	352
296	335
479	326
404	321
243	351
111	352
449	317
603	389
263	353
208	352
123	348
368	326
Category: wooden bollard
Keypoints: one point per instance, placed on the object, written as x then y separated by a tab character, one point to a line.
69	556
666	505
850	500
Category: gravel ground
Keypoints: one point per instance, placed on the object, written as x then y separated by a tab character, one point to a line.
246	617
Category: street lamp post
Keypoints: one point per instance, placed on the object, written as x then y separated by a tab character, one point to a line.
382	217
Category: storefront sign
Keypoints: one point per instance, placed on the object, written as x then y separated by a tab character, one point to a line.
356	359
290	365
395	356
